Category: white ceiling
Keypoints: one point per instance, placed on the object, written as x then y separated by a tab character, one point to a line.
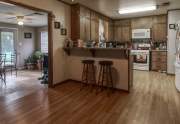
8	11
110	7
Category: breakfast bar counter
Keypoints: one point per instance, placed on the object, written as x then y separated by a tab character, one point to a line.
122	64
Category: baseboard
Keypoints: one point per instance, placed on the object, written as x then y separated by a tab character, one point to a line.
62	82
170	74
76	81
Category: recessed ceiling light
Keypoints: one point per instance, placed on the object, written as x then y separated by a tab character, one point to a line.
137	9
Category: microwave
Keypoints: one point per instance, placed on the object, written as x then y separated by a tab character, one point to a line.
141	33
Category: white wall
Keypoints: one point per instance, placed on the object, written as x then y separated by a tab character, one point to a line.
173	17
38	36
62	13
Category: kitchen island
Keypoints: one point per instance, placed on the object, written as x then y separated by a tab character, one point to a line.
122	64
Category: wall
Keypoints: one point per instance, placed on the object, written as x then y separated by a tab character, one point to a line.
173	17
38	36
62	13
24	47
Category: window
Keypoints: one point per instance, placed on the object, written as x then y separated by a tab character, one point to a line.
101	30
7	44
44	42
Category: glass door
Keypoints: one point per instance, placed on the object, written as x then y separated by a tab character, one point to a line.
7	44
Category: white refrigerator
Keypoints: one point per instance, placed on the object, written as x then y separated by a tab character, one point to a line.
173	18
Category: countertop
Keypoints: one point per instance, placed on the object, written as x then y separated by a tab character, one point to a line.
158	50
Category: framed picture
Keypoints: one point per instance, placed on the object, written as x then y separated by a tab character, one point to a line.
63	31
57	25
172	26
27	35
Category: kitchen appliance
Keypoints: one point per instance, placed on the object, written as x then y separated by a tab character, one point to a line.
141	34
141	46
172	45
177	63
141	59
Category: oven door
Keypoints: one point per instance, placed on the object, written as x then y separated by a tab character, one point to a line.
141	59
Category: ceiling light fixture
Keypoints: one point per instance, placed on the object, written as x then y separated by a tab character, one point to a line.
20	20
137	9
20	23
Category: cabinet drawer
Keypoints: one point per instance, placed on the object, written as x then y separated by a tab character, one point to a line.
159	53
156	58
163	66
155	66
164	59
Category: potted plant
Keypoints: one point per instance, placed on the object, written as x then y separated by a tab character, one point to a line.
38	59
29	62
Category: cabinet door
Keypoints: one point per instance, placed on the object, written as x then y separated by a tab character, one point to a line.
84	24
110	31
117	33
159	32
144	23
94	27
126	35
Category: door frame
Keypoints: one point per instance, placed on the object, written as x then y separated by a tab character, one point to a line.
50	38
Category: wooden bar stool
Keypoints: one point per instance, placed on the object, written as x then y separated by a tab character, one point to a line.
105	75
88	73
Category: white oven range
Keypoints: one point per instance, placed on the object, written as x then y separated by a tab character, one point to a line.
141	59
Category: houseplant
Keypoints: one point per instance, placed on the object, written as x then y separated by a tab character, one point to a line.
37	55
29	63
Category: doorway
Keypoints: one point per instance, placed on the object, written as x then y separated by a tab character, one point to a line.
9	36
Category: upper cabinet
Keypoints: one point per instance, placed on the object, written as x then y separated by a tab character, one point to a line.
80	23
159	29
85	24
122	31
94	26
142	23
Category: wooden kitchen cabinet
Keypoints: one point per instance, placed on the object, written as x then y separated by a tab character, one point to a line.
159	29
142	23
159	32
110	31
158	61
94	26
122	33
85	24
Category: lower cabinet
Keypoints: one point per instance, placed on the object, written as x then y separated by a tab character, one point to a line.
159	61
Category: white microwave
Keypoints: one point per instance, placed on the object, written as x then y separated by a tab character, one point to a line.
141	33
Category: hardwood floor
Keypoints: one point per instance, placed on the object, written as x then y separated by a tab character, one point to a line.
153	100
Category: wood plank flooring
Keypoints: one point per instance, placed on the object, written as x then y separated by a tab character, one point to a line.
153	100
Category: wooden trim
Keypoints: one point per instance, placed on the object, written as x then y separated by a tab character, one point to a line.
50	50
65	81
76	81
50	39
173	10
64	2
26	6
170	74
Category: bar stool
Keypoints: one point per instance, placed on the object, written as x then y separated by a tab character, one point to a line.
88	73
105	74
